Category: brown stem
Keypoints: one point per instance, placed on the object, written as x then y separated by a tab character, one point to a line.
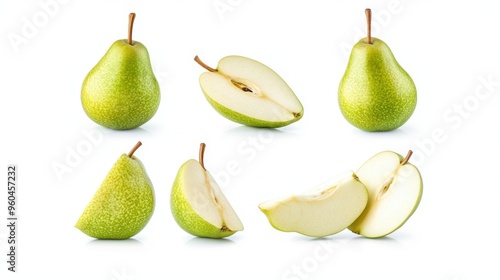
197	59
131	153
202	153
407	158
131	18
368	13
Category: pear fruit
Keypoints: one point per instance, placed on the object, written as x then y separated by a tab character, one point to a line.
375	92
123	204
327	209
395	188
250	93
198	205
121	91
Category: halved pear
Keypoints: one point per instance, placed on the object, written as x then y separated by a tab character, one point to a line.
198	205
328	209
395	189
250	93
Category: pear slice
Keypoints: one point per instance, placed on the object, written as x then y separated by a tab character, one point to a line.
250	93
395	189
198	205
328	209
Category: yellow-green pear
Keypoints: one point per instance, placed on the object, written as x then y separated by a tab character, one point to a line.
123	204
121	91
250	93
198	205
375	93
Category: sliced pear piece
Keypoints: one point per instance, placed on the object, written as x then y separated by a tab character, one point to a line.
395	188
250	93
198	205
123	204
328	209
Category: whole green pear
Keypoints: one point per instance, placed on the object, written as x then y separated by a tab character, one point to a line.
376	93
123	204
121	91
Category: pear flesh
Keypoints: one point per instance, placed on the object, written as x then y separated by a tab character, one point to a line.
199	206
123	204
326	210
250	93
376	93
395	189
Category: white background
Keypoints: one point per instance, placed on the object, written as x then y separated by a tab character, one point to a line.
448	48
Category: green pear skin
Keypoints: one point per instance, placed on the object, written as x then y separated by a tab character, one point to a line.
184	214
123	204
376	93
121	91
247	120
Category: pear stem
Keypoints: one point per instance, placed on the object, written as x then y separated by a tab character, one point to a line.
131	18
407	158
202	153
131	153
368	13
197	59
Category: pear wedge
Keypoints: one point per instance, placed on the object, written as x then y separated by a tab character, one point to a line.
198	205
328	209
395	189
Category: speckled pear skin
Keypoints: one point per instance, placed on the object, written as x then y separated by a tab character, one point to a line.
123	204
376	93
184	214
247	120
121	91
